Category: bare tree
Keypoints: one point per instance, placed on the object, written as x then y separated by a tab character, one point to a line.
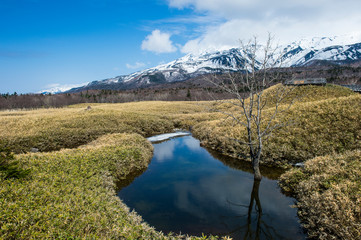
253	106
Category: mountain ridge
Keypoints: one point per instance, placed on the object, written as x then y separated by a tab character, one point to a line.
302	53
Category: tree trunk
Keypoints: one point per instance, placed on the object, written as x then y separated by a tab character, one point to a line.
256	171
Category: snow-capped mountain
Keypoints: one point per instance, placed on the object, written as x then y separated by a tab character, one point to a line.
181	69
57	88
335	50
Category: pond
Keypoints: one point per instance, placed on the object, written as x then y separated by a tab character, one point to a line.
190	190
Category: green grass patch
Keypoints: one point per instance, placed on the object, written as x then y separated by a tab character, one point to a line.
9	167
70	193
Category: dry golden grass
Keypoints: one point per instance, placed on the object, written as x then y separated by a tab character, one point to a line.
316	128
309	93
329	193
53	129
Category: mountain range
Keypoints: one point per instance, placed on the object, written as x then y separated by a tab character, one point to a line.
302	53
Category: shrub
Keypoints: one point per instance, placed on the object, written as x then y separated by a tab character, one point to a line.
9	168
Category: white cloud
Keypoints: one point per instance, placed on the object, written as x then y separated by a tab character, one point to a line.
158	42
180	3
287	20
135	66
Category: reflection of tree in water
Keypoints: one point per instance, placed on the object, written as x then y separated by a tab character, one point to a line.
254	227
245	166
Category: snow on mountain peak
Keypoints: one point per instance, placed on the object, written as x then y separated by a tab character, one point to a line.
58	88
298	53
323	42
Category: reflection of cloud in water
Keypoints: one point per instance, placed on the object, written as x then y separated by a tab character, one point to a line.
192	144
184	191
164	151
205	195
217	190
217	194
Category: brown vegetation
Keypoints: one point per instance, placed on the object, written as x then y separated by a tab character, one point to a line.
327	119
328	190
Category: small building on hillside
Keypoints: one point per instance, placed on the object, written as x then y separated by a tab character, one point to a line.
307	81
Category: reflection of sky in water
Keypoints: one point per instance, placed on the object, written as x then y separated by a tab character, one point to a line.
185	189
163	152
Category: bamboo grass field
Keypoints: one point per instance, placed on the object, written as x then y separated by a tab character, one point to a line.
329	194
70	189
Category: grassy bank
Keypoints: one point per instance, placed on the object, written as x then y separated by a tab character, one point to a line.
328	190
53	129
326	120
71	193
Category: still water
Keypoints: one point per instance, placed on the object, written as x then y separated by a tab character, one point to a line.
187	189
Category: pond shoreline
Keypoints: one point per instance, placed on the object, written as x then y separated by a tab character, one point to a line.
166	173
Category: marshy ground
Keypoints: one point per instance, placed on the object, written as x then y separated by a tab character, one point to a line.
69	190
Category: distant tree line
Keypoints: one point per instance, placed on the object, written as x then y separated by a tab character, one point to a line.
189	90
26	101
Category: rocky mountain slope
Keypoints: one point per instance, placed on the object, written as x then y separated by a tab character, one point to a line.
303	53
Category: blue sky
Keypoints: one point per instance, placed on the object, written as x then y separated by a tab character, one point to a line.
47	43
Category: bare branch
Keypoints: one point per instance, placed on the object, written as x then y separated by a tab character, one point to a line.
258	111
232	117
